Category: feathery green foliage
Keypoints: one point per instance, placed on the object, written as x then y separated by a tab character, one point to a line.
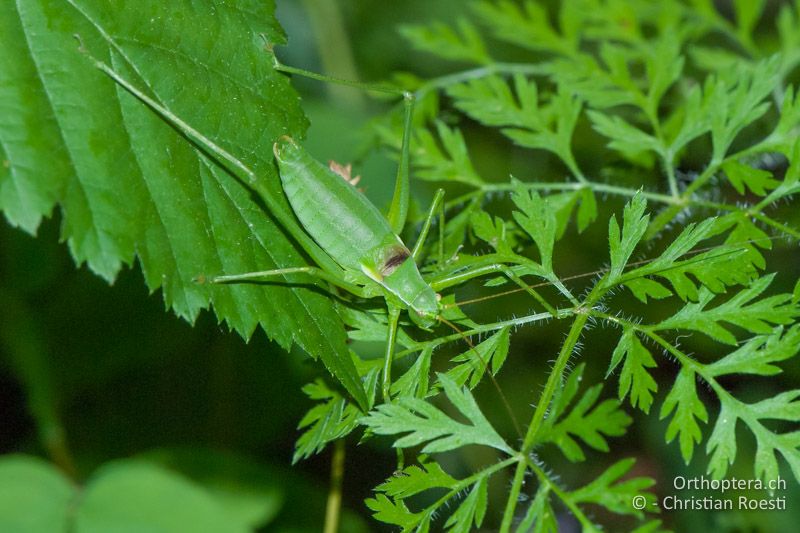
663	127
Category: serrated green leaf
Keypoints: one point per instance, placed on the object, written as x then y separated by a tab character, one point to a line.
587	420
721	445
116	168
493	231
535	215
755	179
783	406
396	513
733	263
615	495
622	244
737	96
758	355
415	479
441	40
693	119
586	78
644	288
623	136
634	378
688	410
474	362
527	26
491	102
32	184
663	66
743	310
425	423
330	420
540	517
415	381
783	138
791	180
471	511
448	162
556	129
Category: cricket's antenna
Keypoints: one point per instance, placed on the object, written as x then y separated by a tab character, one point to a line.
491	376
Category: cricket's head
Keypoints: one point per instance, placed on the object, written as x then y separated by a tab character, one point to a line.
284	148
424	310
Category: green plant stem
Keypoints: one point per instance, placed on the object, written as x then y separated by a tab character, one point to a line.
28	356
334	47
564	496
556	375
484	328
333	508
777	225
676	201
468	481
441	82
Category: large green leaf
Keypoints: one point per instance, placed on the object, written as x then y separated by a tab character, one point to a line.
129	186
34	496
154	500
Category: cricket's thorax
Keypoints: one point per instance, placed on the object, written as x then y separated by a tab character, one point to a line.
405	282
396	257
383	260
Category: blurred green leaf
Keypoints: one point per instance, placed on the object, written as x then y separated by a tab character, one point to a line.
612	493
155	500
463	44
34	496
246	490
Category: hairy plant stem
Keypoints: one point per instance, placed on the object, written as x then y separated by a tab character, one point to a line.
564	496
334	505
484	328
468	481
441	82
678	202
556	375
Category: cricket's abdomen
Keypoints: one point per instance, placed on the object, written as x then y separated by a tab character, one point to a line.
336	215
